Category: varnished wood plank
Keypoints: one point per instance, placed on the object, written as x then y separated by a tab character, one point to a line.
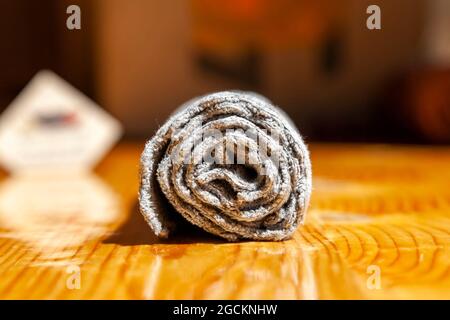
382	207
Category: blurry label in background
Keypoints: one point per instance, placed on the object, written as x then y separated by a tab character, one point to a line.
52	126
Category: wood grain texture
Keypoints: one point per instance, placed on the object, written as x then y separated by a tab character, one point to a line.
378	227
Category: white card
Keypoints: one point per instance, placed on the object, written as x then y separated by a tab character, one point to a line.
52	126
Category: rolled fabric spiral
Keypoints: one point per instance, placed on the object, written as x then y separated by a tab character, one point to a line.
230	163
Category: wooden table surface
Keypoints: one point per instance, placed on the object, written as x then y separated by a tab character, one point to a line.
378	227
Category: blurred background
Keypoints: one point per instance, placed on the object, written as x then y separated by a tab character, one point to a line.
317	60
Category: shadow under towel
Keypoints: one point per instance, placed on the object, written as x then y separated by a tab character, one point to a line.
230	163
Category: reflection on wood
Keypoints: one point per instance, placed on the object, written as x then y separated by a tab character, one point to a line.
378	227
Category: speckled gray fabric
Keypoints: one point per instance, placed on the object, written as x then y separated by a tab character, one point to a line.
230	163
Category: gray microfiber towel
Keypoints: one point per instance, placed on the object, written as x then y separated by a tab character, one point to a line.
230	163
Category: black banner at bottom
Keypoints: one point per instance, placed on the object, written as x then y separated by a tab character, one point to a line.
221	309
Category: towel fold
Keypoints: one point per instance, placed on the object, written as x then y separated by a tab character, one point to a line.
230	163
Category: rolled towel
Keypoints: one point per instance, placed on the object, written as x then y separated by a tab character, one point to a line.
230	163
